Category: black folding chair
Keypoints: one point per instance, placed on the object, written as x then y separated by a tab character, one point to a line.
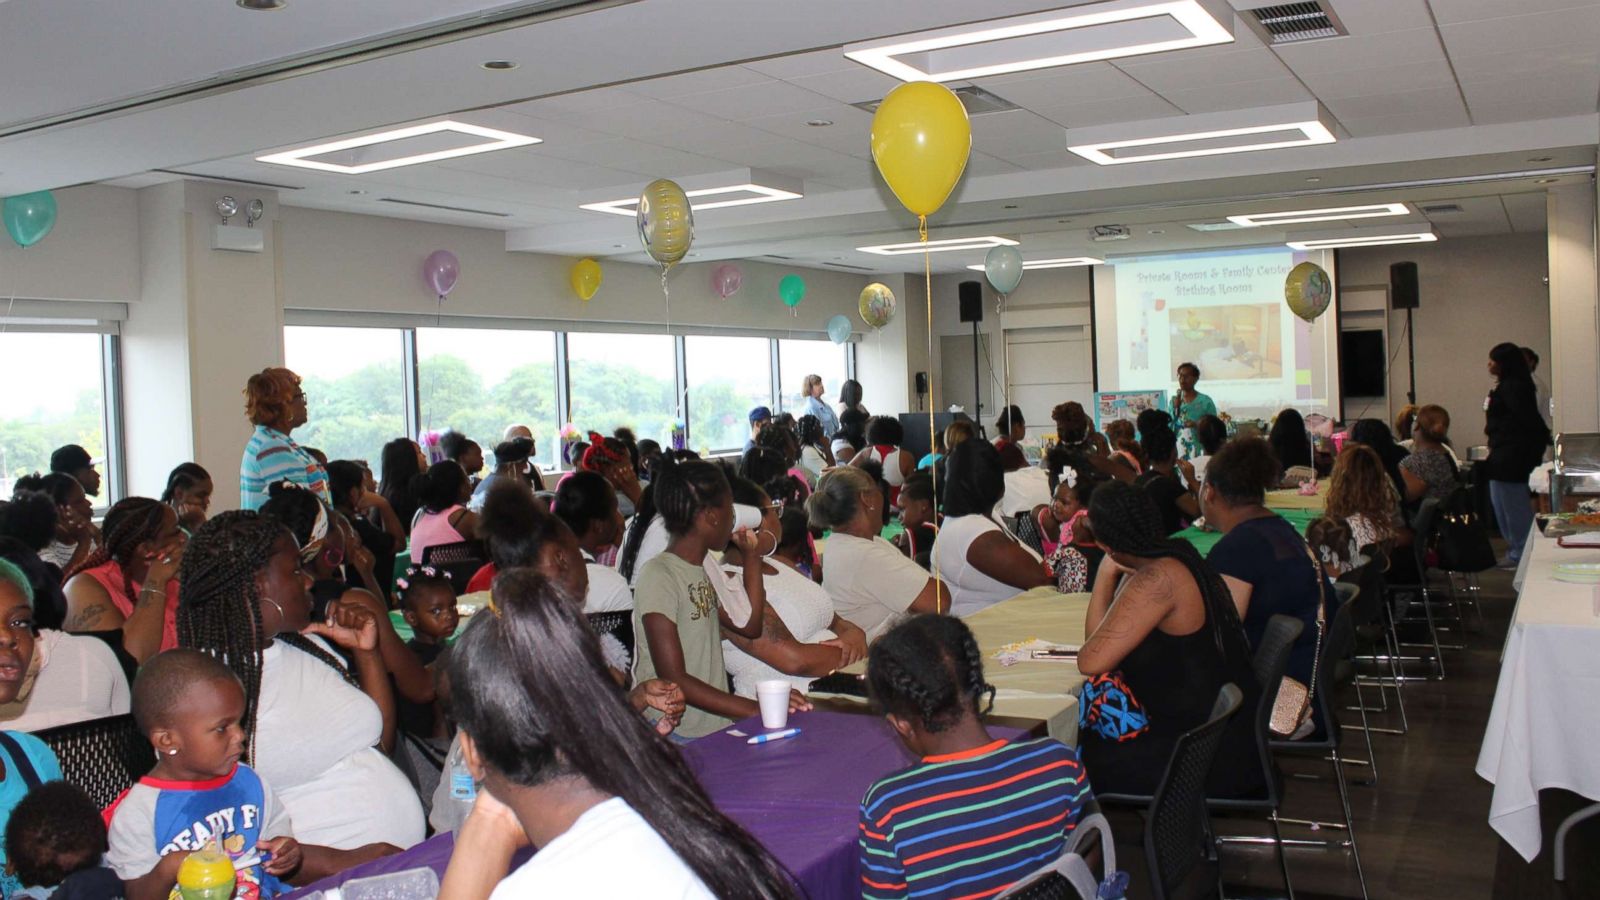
103	756
458	561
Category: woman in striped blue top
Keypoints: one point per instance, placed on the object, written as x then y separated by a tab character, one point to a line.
976	814
276	406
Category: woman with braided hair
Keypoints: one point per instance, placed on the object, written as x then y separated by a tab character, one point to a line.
127	583
318	732
1014	800
1164	637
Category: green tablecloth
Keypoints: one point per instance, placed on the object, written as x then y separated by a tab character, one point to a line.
1205	540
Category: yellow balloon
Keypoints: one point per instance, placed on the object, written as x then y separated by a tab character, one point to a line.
585	278
666	222
921	140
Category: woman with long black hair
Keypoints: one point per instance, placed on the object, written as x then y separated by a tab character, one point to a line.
565	764
401	462
1517	440
1163	628
1291	445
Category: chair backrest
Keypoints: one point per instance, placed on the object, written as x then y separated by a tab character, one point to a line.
103	756
1366	607
458	561
1068	876
1026	528
1337	640
617	624
1424	525
1270	662
1178	826
1348	593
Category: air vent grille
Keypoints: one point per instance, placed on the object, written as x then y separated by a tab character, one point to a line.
1294	23
1440	209
977	101
446	208
848	266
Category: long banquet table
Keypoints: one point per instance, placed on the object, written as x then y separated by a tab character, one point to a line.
799	797
1544	727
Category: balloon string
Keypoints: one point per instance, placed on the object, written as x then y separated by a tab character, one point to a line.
933	396
433	376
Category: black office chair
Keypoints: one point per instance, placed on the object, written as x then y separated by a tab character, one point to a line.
1424	526
1375	638
103	756
458	561
1177	830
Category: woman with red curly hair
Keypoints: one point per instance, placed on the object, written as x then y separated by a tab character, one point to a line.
276	405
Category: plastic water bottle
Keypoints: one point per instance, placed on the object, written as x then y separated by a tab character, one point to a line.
1114	887
207	874
463	788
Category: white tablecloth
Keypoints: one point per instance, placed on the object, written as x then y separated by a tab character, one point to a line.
1544	729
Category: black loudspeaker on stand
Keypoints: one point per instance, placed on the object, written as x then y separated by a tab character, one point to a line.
1403	294
972	311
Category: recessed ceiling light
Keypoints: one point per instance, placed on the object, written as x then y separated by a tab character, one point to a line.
1064	262
972	243
745	194
1364	237
494	140
1540	158
1313	180
1211	134
499	65
1330	214
355	192
1011	206
1044	40
1158	231
262	5
819	123
1544	181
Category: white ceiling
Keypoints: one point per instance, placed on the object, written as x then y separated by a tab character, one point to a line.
1421	89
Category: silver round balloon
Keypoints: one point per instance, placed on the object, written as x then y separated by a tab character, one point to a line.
666	222
227	208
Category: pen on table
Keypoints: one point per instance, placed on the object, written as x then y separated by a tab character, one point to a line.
774	736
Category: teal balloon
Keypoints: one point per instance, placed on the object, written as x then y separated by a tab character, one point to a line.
1003	268
792	289
839	329
29	217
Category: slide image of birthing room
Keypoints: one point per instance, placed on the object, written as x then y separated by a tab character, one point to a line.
1230	342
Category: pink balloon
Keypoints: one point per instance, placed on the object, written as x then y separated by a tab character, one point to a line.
726	279
440	271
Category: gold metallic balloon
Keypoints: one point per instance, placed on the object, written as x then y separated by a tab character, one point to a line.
666	222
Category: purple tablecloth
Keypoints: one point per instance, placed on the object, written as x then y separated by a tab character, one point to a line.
799	797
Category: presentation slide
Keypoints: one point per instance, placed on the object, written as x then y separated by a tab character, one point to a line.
1223	311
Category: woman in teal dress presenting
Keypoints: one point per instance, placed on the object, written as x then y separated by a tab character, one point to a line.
1188	405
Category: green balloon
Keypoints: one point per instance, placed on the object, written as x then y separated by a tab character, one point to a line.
792	289
29	217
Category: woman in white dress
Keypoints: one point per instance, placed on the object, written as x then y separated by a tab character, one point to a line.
563	763
980	560
802	637
319	732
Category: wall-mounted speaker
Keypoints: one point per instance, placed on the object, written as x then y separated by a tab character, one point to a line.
1403	286
971	301
922	383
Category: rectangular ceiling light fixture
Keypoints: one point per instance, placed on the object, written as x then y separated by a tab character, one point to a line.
1331	214
716	190
1061	37
1373	236
416	144
972	243
1208	134
1064	262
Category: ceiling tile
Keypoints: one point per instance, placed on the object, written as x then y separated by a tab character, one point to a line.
1451	11
751	101
643	119
1067	84
1396	103
719	78
544	170
1103	112
1377	16
1530	33
1059	158
850	86
850	129
577	103
789	155
634	156
981	164
1528	110
1568	97
1527	212
1365	81
1178	71
1359	51
1448	116
1556	62
1016	132
801	65
1246	95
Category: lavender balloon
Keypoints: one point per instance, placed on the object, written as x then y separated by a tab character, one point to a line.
440	271
726	279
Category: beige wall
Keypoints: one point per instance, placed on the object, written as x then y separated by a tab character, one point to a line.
92	253
1475	293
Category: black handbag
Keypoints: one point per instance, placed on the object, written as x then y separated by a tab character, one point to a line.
1462	544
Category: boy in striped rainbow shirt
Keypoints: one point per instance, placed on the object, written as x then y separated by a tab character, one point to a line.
977	814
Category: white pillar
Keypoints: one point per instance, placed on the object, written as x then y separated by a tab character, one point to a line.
1573	372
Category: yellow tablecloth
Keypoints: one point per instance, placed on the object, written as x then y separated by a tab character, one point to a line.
1292	499
1032	690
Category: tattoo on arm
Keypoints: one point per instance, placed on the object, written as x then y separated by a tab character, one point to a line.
82	619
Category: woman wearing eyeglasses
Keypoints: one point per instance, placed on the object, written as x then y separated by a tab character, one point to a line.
276	406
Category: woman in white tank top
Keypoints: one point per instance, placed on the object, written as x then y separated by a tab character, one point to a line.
884	436
980	561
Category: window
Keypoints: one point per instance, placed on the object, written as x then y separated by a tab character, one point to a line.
55	395
478	381
797	359
624	380
355	393
727	377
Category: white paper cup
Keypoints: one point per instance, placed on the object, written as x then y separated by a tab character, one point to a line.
774	698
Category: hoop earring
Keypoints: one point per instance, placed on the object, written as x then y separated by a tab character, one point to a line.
275	605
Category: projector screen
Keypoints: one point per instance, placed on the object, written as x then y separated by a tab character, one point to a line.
1223	311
